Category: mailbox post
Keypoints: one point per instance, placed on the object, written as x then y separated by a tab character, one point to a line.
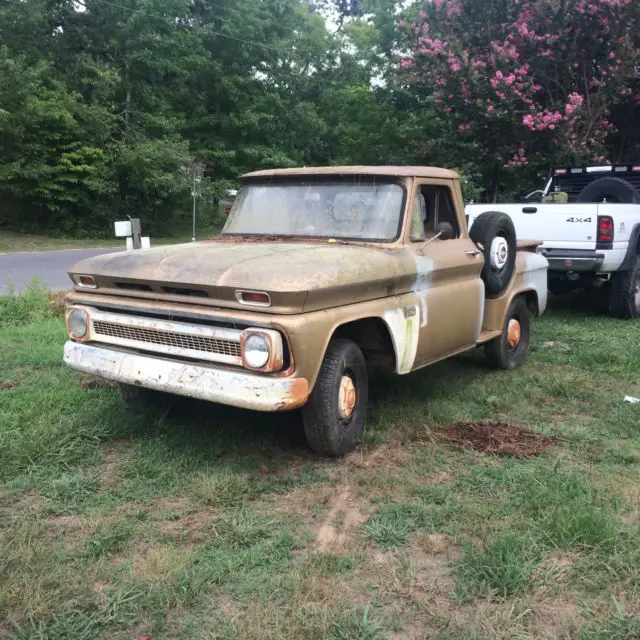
131	229
136	232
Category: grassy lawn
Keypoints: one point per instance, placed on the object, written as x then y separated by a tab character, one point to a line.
208	522
11	242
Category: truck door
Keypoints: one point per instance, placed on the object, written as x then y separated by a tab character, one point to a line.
450	293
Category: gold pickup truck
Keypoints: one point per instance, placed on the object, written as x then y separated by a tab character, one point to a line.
318	274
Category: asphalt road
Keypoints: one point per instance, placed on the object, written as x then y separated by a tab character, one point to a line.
18	269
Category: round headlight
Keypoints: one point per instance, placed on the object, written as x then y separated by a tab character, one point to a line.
78	324
256	351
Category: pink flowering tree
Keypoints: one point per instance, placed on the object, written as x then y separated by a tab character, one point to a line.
526	84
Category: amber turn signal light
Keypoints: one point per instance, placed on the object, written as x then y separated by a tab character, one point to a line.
255	298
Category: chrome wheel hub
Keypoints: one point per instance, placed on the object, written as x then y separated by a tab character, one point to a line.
499	252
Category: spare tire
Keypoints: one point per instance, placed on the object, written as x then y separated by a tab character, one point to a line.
494	234
614	190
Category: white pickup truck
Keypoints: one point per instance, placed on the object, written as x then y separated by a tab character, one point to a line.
589	221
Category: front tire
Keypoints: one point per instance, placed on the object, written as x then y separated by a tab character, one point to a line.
509	349
336	411
625	292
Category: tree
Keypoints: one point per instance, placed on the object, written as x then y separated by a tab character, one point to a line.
50	162
525	82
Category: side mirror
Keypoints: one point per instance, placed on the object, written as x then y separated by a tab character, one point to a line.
445	231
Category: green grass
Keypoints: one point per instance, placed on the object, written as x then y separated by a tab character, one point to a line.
210	522
11	242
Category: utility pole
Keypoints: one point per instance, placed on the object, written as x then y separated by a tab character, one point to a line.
193	234
196	170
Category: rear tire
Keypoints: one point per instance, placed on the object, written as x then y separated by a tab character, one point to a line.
333	418
508	351
495	234
611	190
625	292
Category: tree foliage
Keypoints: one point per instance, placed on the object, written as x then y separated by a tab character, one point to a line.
105	106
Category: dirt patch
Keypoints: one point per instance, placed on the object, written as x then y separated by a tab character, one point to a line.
553	618
422	581
188	525
341	520
228	606
386	456
99	589
553	571
496	437
69	530
435	543
29	501
10	384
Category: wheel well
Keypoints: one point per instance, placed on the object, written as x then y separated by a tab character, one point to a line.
531	298
373	338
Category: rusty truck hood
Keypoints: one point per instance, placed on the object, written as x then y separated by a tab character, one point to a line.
299	276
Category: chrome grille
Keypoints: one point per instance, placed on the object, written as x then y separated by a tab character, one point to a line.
167	338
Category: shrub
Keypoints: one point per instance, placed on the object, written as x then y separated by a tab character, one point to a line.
31	305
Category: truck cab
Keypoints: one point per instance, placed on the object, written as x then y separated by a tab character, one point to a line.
318	275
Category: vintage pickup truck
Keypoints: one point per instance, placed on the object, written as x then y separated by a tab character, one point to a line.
318	273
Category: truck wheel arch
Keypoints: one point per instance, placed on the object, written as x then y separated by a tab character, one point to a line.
633	249
533	303
373	336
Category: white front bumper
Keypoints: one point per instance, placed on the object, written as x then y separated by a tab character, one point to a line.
238	389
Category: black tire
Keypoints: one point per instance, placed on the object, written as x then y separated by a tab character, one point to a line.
625	292
140	399
327	431
486	228
602	298
498	352
609	189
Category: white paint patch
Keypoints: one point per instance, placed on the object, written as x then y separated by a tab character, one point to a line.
404	333
481	292
424	277
534	273
237	389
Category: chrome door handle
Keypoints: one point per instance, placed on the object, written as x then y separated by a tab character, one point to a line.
473	252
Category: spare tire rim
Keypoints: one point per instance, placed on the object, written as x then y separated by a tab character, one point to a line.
499	252
347	397
513	333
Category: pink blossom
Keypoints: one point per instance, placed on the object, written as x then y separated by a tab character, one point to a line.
575	99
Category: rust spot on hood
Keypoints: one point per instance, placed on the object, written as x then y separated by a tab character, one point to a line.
253	238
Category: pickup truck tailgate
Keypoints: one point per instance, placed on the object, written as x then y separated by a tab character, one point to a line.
559	226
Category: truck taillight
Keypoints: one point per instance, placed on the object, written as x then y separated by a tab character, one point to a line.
605	229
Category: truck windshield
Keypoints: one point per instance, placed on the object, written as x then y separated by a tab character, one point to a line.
362	210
